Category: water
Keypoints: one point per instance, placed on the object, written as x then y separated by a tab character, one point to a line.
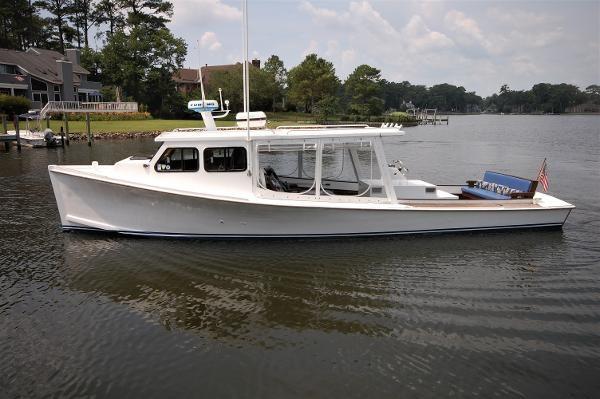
487	314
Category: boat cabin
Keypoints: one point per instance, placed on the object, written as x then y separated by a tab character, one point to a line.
337	164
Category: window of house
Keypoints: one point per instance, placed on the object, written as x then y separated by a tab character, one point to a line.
10	69
178	160
56	88
56	96
38	85
40	96
225	159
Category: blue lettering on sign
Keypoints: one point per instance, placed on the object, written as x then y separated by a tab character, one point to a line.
203	106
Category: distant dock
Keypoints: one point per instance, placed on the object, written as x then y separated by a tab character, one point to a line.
428	116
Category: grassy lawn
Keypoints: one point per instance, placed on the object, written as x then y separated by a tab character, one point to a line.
160	125
150	125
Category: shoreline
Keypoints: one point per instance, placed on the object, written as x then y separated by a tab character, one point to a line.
112	135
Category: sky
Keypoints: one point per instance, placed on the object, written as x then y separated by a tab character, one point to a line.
480	45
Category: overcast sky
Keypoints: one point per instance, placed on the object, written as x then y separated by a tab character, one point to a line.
477	44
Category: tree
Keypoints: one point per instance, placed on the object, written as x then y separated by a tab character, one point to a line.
593	93
109	12
142	56
20	25
276	70
312	80
153	14
82	19
363	89
262	88
60	11
326	107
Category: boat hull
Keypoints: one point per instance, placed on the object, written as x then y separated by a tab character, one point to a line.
86	203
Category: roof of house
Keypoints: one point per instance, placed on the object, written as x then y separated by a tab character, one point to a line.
39	63
186	75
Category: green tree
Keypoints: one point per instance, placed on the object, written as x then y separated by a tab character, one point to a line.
20	25
141	56
262	88
61	33
326	107
593	93
276	70
83	18
363	89
110	13
311	81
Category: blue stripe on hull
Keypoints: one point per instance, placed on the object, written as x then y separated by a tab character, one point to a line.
386	233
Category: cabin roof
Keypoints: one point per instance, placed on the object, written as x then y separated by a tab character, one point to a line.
276	134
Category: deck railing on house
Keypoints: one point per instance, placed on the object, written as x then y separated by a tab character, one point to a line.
82	107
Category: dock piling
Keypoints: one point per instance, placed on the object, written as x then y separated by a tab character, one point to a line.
5	130
89	130
17	133
66	123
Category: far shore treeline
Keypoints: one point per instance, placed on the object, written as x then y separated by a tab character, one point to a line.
139	55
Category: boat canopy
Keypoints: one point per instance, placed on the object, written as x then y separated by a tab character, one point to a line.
276	134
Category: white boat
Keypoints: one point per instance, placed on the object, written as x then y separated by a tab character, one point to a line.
305	181
37	139
232	183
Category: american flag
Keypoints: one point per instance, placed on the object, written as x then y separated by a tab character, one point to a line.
542	176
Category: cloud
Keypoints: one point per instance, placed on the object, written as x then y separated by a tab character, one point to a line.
312	47
420	38
209	40
361	26
524	65
204	11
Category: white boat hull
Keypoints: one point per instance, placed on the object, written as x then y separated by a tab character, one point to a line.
87	203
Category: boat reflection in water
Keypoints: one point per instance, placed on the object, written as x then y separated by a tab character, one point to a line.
236	293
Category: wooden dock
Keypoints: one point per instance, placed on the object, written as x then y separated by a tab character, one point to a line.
428	116
9	138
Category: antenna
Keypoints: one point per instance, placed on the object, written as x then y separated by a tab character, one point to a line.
245	73
200	74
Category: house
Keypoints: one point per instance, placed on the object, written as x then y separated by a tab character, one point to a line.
187	80
45	75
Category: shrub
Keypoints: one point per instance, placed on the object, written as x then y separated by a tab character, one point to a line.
13	105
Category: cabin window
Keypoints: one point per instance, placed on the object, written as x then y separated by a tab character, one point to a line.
225	159
178	160
288	168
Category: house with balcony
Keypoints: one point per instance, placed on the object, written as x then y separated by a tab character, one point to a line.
45	75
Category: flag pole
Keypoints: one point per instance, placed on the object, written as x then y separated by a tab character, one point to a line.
540	170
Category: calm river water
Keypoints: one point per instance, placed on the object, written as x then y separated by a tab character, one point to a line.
514	314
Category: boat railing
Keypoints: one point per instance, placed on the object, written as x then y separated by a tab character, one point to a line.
303	127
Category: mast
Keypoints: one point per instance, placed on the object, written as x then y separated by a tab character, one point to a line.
245	72
200	74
